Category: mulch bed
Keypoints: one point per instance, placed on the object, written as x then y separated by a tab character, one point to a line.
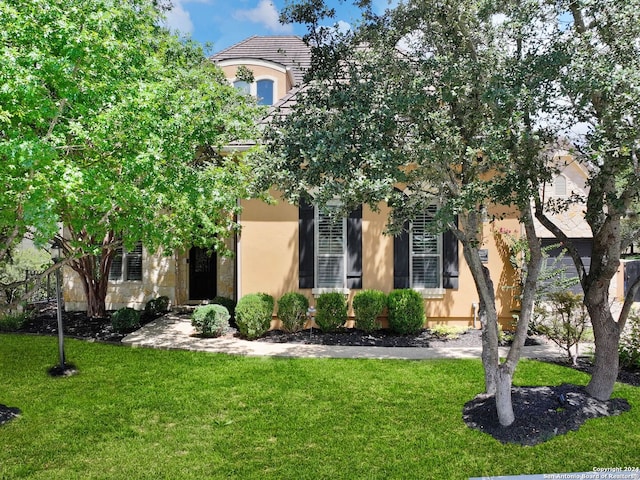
541	413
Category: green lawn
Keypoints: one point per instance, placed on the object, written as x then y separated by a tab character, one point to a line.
137	413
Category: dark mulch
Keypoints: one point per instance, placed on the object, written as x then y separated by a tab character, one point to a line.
541	413
75	325
8	413
353	337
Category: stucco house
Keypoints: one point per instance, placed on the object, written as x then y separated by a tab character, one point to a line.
284	247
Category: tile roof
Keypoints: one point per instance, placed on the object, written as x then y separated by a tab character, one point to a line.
289	51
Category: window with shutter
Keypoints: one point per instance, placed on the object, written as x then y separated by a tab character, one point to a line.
134	264
127	265
426	252
115	271
331	249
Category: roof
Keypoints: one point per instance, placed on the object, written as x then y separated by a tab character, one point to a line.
289	51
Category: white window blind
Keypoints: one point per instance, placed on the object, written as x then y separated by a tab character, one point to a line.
330	251
426	252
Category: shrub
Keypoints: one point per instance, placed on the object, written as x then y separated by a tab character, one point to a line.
406	311
368	305
230	305
10	322
210	320
253	314
125	320
156	307
331	311
447	332
292	311
629	348
564	321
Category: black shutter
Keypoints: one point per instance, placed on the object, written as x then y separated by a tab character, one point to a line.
306	219
401	258
450	271
354	249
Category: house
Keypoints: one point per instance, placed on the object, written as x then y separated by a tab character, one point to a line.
284	247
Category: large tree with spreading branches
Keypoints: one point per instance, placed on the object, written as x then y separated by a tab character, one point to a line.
114	128
594	68
435	99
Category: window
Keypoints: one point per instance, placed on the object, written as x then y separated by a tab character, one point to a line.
331	249
242	86
425	260
127	265
265	92
560	186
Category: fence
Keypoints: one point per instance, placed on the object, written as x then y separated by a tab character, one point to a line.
631	273
31	290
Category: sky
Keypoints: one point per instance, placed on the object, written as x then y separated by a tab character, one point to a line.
226	22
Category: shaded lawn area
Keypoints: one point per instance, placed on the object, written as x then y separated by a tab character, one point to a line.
138	413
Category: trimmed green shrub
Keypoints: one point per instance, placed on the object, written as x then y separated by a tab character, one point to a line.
253	314
368	305
10	322
210	320
629	348
156	306
406	311
292	311
125	320
229	304
331	311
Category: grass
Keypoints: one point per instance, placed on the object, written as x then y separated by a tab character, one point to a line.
138	414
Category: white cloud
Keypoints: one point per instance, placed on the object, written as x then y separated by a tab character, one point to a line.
379	6
266	14
342	27
178	19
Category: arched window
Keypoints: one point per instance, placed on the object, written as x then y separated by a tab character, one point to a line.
243	86
265	92
560	186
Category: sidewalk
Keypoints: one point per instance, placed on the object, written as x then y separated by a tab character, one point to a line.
174	332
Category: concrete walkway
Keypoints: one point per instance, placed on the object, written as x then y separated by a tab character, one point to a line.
176	332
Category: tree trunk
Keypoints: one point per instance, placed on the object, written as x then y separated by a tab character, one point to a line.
489	322
607	361
487	307
504	405
94	274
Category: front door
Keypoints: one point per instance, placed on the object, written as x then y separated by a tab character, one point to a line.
202	274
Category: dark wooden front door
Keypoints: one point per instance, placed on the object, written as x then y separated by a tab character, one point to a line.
202	274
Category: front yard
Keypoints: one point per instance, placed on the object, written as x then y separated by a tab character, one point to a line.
138	413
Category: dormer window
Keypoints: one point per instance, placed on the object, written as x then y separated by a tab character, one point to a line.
263	89
242	86
560	186
265	92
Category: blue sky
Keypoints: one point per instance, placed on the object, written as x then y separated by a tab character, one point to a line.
225	22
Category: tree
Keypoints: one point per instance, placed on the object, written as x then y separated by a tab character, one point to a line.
115	128
596	69
446	117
